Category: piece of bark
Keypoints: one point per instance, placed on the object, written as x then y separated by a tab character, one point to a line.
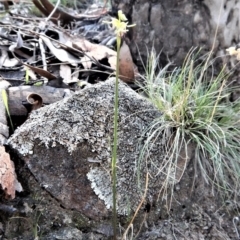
8	177
18	95
35	101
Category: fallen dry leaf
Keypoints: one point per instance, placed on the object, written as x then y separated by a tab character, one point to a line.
61	54
66	73
40	71
5	61
96	51
126	65
8	178
86	62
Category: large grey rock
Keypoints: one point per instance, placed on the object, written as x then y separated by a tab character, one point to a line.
67	147
173	27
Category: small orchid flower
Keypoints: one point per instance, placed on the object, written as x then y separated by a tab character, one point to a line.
233	51
121	25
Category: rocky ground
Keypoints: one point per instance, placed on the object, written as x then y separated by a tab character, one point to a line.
62	151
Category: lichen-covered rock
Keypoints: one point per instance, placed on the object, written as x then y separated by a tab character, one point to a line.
65	234
67	146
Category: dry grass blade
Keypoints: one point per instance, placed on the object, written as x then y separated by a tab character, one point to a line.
130	225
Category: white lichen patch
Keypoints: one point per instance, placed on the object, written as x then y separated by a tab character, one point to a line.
101	184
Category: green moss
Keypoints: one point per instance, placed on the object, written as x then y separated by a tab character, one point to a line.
80	221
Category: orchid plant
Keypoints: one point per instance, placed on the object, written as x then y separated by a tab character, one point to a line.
121	26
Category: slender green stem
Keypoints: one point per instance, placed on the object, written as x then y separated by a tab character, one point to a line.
115	138
27	76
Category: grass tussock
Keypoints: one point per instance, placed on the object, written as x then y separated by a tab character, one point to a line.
197	111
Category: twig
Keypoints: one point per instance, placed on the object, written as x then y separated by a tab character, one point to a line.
143	221
43	53
53	11
137	210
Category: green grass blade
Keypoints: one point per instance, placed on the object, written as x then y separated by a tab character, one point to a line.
5	101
